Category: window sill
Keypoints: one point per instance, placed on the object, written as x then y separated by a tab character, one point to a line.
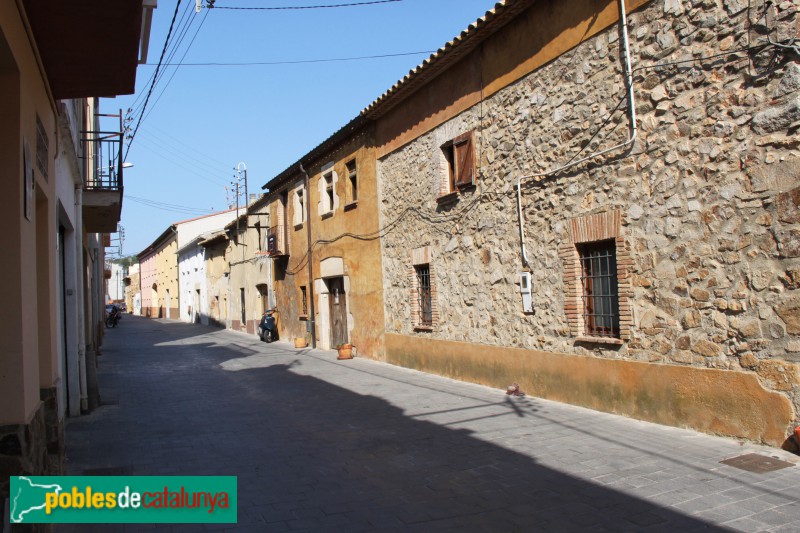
423	328
303	317
447	198
600	340
351	205
327	214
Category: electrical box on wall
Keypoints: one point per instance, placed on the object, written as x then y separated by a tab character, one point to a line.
525	292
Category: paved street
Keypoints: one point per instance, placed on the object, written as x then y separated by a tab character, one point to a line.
326	445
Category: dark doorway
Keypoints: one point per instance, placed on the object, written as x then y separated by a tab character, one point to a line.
338	307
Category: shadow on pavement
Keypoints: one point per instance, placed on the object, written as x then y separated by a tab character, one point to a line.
312	455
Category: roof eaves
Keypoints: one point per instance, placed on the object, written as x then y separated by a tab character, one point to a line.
465	42
338	136
154	245
215	237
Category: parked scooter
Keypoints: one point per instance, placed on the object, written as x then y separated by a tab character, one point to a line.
113	317
267	329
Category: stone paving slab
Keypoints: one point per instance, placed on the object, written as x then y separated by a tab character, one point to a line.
358	445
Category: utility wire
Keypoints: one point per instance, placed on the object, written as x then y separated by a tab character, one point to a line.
154	130
155	77
169	207
195	173
175	71
296	62
484	195
211	5
181	28
136	106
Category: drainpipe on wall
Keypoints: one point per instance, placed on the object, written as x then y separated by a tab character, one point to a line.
632	132
312	315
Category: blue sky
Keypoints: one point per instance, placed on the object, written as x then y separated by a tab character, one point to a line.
204	120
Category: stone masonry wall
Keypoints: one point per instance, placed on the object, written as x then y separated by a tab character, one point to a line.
709	195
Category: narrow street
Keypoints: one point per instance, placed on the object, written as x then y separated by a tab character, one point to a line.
326	445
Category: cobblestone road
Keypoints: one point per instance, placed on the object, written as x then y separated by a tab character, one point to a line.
325	445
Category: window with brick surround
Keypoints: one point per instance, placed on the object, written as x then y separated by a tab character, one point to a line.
459	155
423	273
597	283
424	309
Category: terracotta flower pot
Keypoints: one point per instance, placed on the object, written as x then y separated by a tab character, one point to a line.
345	351
300	342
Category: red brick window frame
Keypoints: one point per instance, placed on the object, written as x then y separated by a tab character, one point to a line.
459	157
583	232
422	293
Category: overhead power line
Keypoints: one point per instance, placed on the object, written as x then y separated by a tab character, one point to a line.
211	5
296	62
169	207
177	65
155	77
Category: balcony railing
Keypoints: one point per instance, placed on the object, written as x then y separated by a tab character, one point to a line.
105	149
102	198
276	241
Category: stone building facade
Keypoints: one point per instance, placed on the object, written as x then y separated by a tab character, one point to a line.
696	220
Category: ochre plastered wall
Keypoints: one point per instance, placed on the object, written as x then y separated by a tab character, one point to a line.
715	401
361	258
29	349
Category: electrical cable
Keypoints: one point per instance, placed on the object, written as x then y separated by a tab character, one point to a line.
424	217
186	21
195	173
175	71
181	152
296	62
152	86
294	8
159	132
169	207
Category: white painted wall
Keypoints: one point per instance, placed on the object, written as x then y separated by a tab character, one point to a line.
192	282
116	285
190	229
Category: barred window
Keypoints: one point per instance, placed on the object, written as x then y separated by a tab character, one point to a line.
600	292
304	300
424	300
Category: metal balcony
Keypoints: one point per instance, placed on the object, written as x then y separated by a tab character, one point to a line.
102	189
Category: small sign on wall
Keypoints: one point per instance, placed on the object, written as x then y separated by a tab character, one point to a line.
27	180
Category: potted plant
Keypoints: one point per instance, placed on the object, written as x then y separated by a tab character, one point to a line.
345	351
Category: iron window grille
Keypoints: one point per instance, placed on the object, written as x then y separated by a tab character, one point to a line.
600	290
424	300
304	297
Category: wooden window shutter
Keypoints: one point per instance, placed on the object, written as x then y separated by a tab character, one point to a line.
464	160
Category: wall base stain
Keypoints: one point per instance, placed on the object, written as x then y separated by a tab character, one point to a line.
720	402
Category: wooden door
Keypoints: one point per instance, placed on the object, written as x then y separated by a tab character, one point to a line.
338	309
